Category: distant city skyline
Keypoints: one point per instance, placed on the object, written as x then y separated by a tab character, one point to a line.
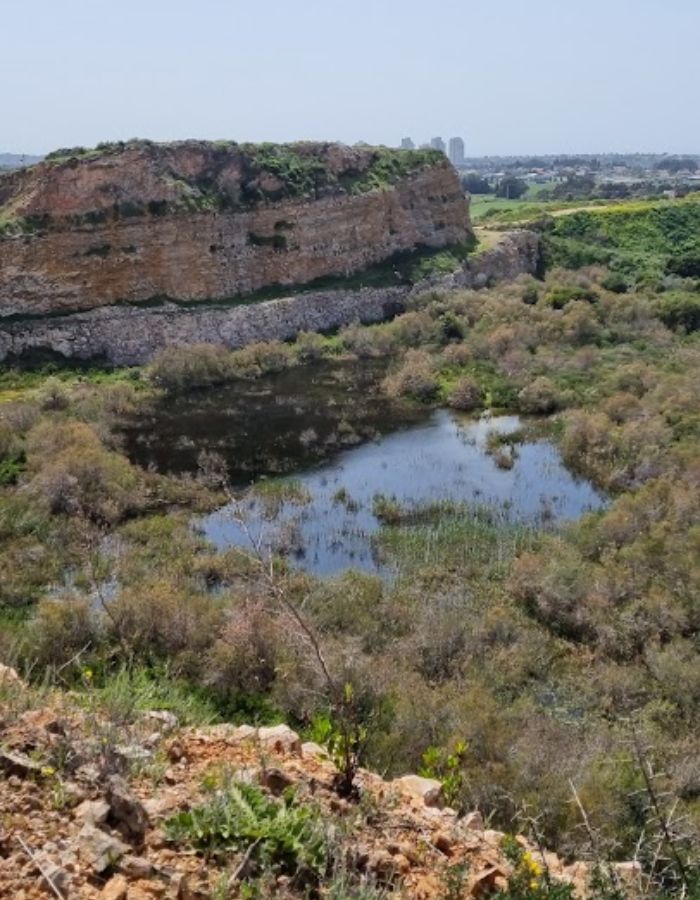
514	78
454	148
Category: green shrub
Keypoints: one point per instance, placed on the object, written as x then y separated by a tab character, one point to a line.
75	474
679	309
559	297
310	346
540	396
414	379
386	509
281	835
531	295
530	880
615	282
262	358
193	366
686	265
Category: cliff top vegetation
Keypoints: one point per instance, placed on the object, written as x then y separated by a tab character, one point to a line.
143	178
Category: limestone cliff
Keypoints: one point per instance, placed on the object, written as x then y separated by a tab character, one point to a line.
129	335
197	221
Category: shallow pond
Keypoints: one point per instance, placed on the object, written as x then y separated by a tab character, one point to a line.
329	526
346	445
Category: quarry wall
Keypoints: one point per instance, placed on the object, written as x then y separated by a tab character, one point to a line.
129	335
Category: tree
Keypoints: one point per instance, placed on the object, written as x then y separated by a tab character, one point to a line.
473	183
677	164
511	188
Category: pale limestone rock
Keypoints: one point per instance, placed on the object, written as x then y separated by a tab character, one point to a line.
115	889
429	790
311	750
92	812
99	849
473	821
280	738
136	867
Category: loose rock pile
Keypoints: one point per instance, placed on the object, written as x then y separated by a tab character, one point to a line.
95	829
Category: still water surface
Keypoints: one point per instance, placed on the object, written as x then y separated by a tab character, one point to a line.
442	459
332	429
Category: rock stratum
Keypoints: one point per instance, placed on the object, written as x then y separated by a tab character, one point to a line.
194	221
132	335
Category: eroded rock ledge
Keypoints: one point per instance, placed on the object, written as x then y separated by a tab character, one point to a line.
198	221
130	335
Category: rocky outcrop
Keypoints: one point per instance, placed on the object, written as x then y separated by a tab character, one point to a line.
111	837
125	335
201	222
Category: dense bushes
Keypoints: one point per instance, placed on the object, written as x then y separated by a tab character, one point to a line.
75	474
466	395
199	365
679	309
415	378
529	650
203	365
638	239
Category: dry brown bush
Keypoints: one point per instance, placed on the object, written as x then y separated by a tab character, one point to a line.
466	395
75	474
415	378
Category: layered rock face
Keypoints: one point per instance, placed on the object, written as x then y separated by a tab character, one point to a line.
128	335
197	221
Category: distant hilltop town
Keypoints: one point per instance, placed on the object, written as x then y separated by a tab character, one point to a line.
454	148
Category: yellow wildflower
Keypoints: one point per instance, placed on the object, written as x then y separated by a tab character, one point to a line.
531	864
48	771
87	674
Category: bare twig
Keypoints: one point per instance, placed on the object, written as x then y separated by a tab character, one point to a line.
244	862
44	874
74	658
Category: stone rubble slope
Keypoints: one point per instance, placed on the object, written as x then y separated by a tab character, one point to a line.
97	831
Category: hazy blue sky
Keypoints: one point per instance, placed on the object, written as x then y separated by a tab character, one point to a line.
510	76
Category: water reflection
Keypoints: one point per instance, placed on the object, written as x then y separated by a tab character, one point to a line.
444	458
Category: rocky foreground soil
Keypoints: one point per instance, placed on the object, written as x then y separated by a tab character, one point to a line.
84	802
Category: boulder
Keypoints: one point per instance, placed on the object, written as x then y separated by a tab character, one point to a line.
429	790
311	750
135	866
99	849
280	738
473	821
115	889
93	812
18	764
126	811
167	719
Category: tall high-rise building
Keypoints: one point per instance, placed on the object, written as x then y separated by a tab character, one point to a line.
456	151
437	143
407	144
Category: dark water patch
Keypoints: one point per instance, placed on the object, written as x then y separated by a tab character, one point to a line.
274	425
